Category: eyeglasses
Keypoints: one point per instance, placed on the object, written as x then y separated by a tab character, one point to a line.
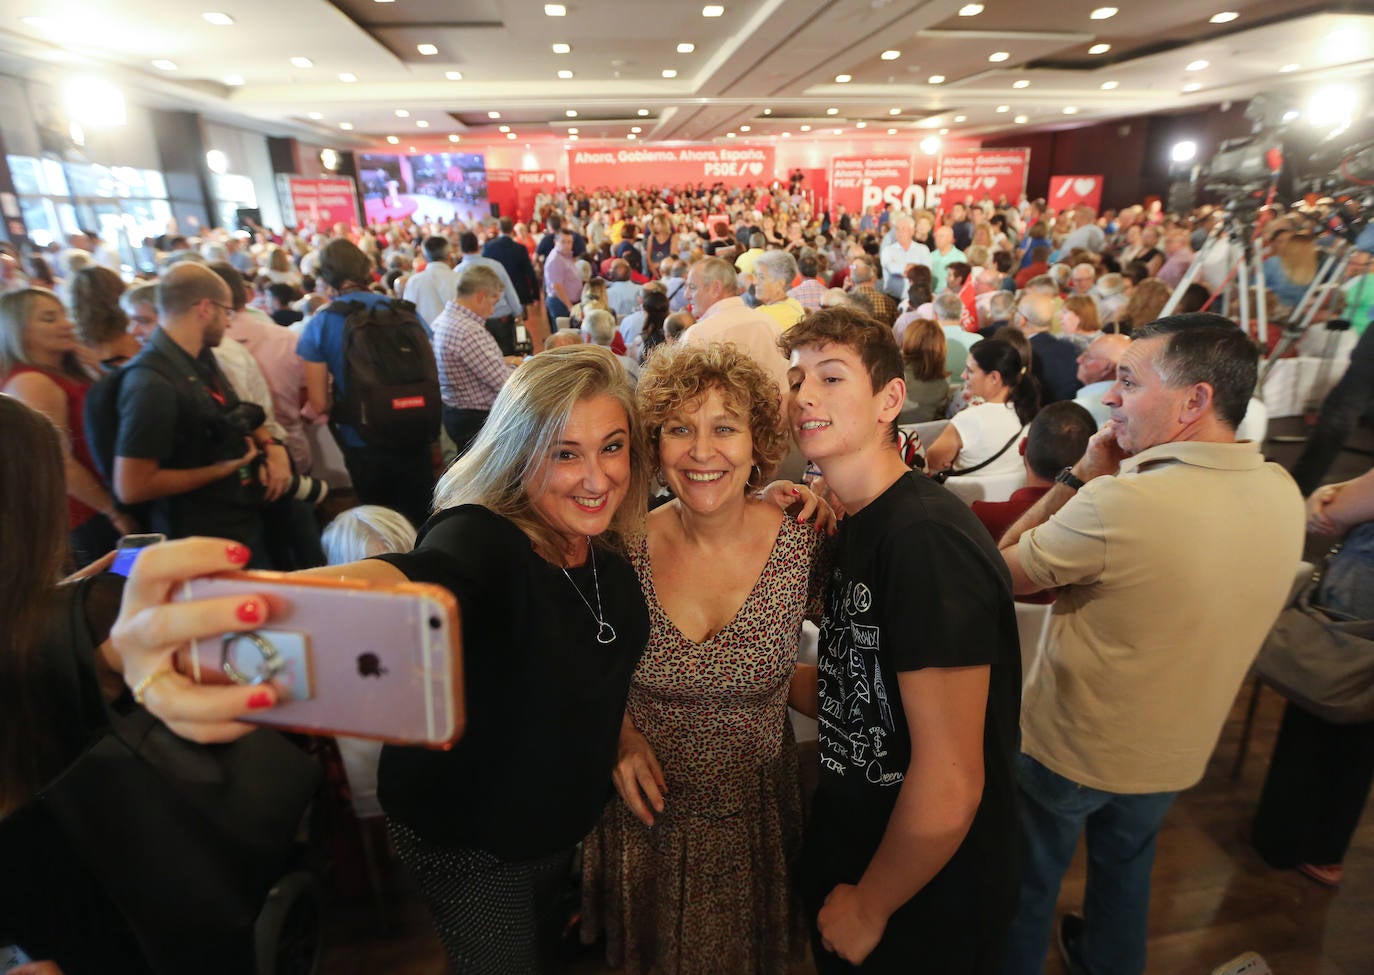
227	309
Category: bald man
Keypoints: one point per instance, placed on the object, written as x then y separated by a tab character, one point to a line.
1097	373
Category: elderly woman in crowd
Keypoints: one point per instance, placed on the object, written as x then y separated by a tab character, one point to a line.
690	871
774	272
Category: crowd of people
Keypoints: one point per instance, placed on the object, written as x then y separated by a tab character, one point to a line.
631	387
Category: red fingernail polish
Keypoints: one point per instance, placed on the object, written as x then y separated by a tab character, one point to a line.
797	492
260	700
249	612
237	553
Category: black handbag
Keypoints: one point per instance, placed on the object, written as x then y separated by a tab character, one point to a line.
184	839
1320	660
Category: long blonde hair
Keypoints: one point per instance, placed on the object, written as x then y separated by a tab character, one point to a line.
524	426
16	308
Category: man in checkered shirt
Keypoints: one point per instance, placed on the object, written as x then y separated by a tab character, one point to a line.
471	367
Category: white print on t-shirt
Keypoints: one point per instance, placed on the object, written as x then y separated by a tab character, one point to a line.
855	715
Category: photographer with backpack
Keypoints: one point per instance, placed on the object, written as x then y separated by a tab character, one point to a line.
385	409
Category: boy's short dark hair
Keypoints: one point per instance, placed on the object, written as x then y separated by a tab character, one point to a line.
871	340
1058	438
341	263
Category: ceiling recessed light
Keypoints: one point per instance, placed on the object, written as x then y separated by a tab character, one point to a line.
511	135
573	138
1288	68
1193	86
233	80
571	113
712	10
573	130
944	131
565	74
162	64
1020	120
493	115
891	131
561	48
839	131
670	72
302	63
393	140
843	79
1103	13
936	79
315	115
685	48
745	128
643	113
348	77
428	50
1004	108
970	10
503	129
636	129
890	55
1070	110
346	126
729	135
860	125
832	111
402	113
1108	85
894	111
1099	49
218	19
806	128
1198	65
1225	17
787	135
421	124
1022	83
961	118
998	56
454	138
767	111
555	10
453	75
631	135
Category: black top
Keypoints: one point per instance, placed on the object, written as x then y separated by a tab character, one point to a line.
1054	361
917	583
287	316
511	254
544	700
182	426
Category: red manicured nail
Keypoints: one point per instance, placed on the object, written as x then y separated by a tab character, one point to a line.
249	612
237	553
797	492
261	699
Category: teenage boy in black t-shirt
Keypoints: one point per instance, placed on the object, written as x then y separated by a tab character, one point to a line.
910	857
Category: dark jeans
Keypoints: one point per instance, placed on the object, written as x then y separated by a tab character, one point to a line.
401	479
1121	851
1315	792
503	330
556	310
1350	399
463	426
293	535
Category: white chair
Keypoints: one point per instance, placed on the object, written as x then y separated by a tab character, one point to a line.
991	487
804	728
1255	426
930	431
1033	627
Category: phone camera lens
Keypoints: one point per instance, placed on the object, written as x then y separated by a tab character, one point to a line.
435	622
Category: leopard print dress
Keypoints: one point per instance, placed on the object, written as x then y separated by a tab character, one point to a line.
708	888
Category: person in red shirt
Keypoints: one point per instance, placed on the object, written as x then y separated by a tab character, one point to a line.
1039	264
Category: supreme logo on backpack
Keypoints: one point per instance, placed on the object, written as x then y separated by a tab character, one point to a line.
390	375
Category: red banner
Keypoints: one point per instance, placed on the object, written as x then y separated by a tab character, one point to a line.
671	166
529	183
501	192
1068	191
322	203
976	174
860	182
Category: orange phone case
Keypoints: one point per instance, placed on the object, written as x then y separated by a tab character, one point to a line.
366	659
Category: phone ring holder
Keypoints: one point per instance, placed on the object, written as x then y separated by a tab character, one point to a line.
268	667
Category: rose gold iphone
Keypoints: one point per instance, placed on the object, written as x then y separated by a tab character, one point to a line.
349	657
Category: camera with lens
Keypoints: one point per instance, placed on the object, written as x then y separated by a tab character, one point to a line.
240	421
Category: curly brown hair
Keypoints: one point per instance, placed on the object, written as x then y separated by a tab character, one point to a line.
677	376
95	305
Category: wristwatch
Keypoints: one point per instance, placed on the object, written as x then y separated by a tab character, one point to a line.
1068	478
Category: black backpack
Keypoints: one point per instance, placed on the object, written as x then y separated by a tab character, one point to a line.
391	378
102	409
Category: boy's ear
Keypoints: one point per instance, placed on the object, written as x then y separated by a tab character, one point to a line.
892	398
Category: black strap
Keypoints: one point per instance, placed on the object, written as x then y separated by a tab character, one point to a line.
951	472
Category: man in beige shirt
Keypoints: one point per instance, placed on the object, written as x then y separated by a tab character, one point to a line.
722	316
1171	547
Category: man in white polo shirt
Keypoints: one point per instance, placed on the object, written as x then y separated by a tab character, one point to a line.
1171	547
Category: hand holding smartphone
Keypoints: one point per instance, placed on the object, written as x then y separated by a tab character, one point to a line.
347	657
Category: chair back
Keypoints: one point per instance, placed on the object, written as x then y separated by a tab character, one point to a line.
990	487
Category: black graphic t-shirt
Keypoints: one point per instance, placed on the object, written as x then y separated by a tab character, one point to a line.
917	582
